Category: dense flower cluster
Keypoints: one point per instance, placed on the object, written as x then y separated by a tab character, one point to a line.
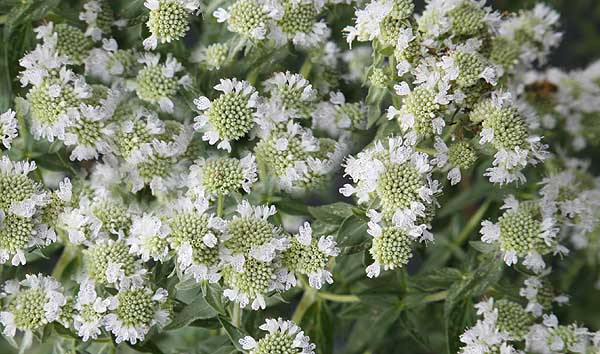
161	186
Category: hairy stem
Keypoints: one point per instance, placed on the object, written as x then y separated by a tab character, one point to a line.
68	254
236	316
338	297
308	298
472	223
220	206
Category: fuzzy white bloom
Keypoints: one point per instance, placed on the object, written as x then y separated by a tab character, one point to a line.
277	328
90	311
49	301
526	230
8	128
148	238
141	308
217	120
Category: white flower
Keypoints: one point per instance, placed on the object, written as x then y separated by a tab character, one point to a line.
217	120
130	301
148	238
368	21
8	128
277	327
51	301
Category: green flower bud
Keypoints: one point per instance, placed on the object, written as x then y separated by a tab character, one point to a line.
72	42
520	230
298	17
216	55
168	21
462	155
392	249
152	84
505	52
100	256
470	67
246	17
379	78
513	319
399	185
467	19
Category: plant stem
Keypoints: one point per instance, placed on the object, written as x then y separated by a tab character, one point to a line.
220	206
306	68
68	254
236	316
439	296
472	223
338	297
308	298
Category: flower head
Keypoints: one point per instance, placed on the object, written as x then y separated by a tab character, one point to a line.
195	236
8	128
229	117
525	231
168	20
134	310
31	303
100	18
110	262
21	203
158	82
223	175
310	256
148	238
282	337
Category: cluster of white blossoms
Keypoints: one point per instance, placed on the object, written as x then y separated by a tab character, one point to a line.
277	22
26	209
507	327
395	181
451	69
9	128
526	230
164	186
568	100
31	303
282	337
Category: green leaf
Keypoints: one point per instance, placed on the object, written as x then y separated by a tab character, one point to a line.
197	310
291	206
483	247
318	324
234	333
5	80
352	232
212	295
458	305
436	279
228	349
459	318
147	347
100	348
50	163
331	213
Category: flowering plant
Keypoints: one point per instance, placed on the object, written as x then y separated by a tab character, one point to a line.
295	177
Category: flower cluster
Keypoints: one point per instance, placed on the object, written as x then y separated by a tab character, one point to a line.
507	328
278	21
395	180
